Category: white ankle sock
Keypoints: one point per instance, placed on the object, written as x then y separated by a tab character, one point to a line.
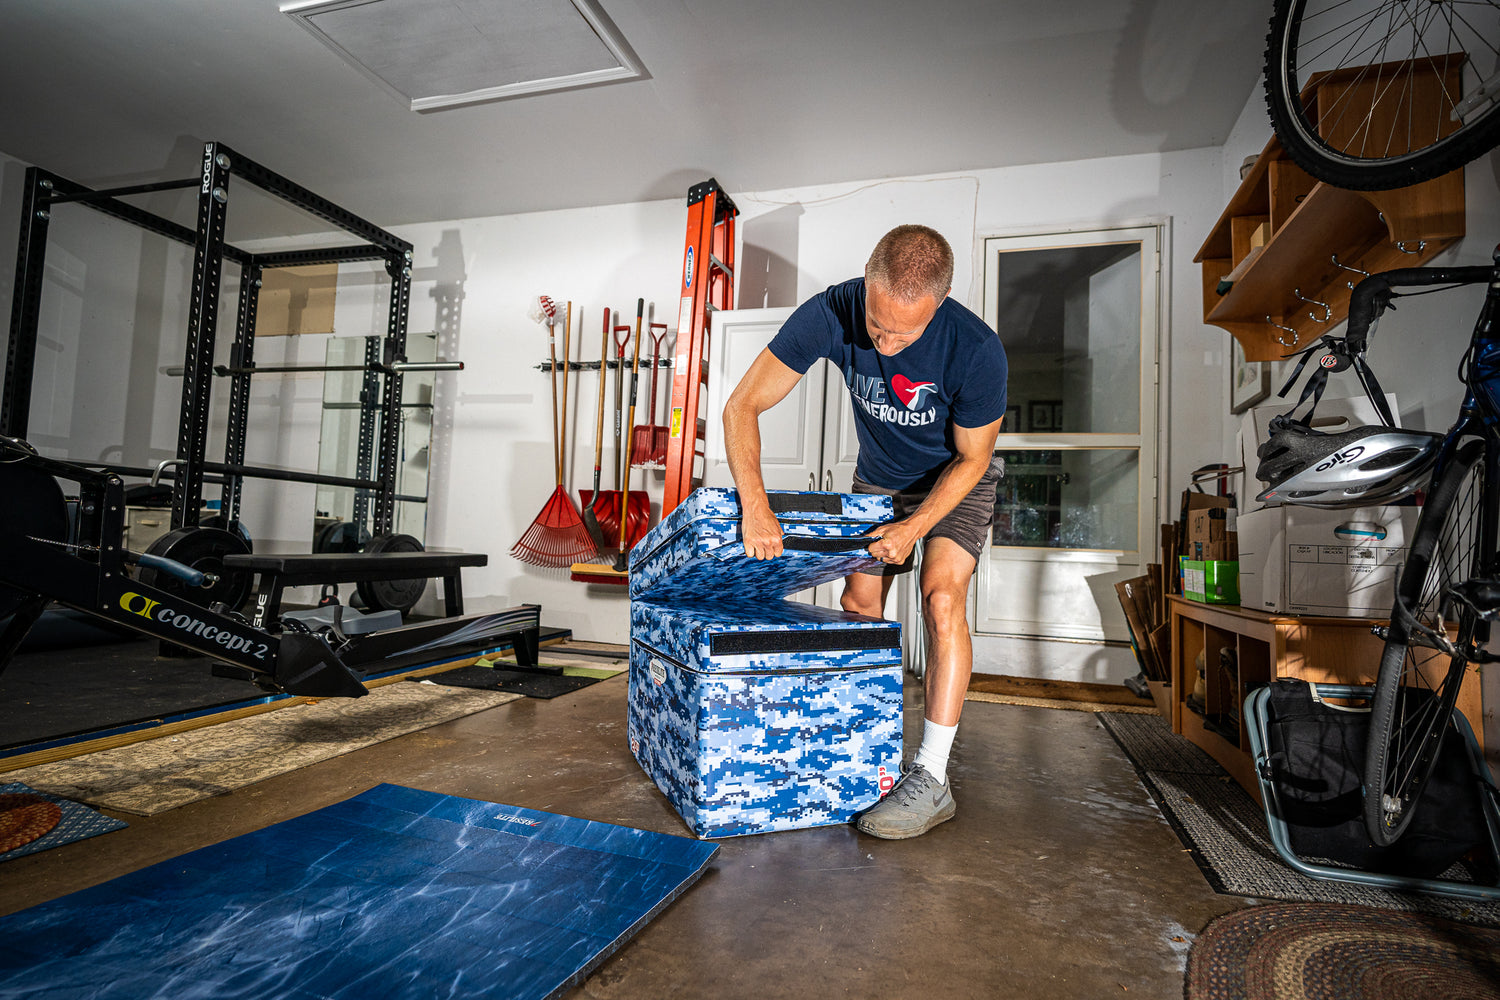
937	741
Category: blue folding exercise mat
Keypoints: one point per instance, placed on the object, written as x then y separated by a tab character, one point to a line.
752	713
394	893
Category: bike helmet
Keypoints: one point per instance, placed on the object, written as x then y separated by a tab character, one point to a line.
1355	468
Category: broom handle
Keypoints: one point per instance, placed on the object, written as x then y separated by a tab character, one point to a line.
635	369
599	430
562	464
556	437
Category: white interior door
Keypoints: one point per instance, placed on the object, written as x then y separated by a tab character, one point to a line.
1075	512
807	440
791	433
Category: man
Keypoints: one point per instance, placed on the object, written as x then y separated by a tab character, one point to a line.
928	382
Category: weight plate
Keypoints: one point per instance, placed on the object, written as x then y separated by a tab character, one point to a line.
221	522
342	536
203	549
392	595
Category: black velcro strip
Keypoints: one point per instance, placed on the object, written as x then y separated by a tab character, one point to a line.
813	543
805	503
812	641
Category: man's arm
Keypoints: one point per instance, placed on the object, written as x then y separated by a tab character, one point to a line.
766	383
975	447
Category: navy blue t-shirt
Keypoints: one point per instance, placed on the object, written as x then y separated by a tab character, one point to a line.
905	407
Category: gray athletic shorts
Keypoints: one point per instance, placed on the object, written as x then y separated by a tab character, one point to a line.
968	524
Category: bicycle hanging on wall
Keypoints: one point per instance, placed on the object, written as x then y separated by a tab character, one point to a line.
1380	94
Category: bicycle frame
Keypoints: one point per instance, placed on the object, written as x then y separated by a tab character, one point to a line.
1478	418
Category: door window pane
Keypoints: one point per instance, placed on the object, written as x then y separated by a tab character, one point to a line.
1070	319
1068	499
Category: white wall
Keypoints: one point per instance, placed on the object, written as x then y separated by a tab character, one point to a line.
474	280
799	241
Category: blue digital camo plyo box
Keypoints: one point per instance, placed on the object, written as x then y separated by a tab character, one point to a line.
697	552
750	712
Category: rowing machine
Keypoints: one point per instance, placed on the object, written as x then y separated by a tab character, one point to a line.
81	562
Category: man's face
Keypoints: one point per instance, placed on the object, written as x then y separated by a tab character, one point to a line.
894	325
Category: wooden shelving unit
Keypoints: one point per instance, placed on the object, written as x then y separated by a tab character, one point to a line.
1278	247
1318	649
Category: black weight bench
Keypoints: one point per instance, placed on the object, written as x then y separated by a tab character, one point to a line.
277	572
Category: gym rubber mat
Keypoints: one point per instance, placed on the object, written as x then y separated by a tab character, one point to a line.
393	893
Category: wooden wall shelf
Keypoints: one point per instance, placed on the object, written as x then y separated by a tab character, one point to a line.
1276	243
1318	649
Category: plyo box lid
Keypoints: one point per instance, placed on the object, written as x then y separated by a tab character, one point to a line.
697	553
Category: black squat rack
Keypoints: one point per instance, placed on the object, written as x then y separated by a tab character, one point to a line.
379	443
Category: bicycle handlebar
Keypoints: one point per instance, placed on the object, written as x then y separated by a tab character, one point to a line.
1373	294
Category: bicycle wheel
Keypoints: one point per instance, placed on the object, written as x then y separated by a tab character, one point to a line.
1418	682
1415	90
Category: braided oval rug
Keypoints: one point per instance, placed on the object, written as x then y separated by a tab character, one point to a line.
1334	951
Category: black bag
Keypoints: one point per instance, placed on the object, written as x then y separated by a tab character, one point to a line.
1316	754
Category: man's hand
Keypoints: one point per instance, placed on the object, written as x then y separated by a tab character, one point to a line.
897	539
764	385
762	533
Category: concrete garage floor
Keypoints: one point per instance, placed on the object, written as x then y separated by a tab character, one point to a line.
1057	879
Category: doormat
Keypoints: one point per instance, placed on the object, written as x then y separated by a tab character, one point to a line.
160	774
30	812
1068	695
1225	830
560	670
393	893
1312	951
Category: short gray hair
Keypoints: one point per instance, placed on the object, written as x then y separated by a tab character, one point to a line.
911	261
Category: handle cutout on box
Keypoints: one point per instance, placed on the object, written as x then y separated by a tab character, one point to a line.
1361	530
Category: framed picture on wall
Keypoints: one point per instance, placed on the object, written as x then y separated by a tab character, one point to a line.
1044	416
1249	381
1012	421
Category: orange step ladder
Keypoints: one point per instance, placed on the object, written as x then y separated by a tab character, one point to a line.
707	287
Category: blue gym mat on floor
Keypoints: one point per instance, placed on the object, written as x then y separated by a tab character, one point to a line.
393	893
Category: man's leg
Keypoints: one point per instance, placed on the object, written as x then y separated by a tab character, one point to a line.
921	800
946	570
865	594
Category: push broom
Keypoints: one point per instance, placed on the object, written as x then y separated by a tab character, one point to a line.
558	537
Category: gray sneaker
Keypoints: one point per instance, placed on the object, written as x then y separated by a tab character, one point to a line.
917	804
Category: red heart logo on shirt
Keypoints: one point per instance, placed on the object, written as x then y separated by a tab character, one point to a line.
911	393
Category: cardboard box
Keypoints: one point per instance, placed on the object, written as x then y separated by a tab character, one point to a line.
1333	416
1309	561
1211	581
1212	534
1198	526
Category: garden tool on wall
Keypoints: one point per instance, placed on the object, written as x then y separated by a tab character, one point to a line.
638	507
608	505
649	446
591	513
558	536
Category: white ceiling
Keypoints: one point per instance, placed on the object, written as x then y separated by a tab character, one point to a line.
762	94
